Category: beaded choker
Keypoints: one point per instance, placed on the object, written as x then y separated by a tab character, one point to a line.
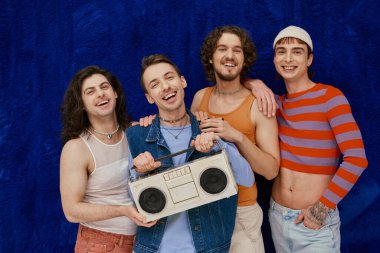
172	121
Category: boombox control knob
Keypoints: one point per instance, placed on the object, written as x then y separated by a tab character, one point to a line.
213	180
152	200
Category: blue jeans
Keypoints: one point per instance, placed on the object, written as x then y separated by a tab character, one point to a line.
296	238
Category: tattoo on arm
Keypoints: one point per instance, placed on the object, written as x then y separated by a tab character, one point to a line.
317	213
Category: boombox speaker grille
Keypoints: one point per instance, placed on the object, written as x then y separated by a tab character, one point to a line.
213	180
152	200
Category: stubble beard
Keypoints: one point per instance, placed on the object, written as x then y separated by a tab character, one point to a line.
227	78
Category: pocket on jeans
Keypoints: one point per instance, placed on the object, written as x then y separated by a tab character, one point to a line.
310	230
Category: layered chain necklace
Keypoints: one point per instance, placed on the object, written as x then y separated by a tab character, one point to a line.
180	130
109	135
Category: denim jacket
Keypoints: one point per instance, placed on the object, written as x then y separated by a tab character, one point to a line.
211	224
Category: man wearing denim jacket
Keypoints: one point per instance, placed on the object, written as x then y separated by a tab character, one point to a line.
207	228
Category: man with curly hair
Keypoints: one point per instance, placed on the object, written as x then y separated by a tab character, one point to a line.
94	163
231	111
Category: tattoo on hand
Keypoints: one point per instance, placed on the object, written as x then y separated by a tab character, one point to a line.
317	213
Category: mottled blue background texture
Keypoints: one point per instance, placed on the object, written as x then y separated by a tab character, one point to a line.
44	43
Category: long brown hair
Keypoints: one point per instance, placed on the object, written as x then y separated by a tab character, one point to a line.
209	46
74	116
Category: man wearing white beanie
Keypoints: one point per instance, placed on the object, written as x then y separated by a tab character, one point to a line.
316	127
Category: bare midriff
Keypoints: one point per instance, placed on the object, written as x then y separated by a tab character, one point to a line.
298	190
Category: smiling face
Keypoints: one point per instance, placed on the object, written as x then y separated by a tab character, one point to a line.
98	96
228	58
292	61
165	87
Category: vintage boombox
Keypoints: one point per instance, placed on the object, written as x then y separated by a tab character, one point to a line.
190	185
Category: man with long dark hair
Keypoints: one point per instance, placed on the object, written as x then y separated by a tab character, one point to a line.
94	163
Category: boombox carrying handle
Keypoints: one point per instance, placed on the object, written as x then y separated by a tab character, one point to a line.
163	158
180	152
170	156
174	154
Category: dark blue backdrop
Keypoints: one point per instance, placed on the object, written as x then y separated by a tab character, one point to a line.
43	43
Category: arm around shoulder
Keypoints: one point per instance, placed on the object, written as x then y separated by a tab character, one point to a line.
266	98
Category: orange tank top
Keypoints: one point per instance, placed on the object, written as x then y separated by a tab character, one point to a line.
240	120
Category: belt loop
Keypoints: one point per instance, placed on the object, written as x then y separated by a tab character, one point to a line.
121	240
80	230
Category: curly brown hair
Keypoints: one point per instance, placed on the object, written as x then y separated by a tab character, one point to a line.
209	46
74	116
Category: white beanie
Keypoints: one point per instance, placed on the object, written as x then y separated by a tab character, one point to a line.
294	32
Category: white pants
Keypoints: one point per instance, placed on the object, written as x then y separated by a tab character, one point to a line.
247	237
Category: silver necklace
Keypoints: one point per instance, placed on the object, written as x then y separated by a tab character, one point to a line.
109	135
180	131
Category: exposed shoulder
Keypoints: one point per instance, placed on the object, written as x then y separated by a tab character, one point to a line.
257	116
74	145
254	109
197	99
75	148
201	92
75	151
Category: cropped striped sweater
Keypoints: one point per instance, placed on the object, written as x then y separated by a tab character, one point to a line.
316	126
